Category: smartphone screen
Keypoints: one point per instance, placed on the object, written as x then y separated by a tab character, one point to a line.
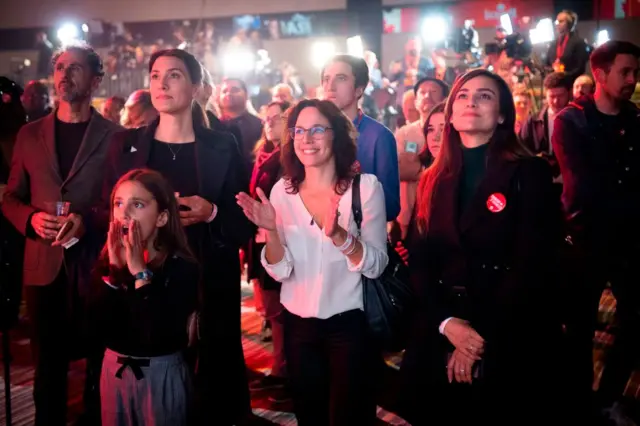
411	147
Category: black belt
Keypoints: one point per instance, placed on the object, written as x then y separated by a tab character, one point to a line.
134	363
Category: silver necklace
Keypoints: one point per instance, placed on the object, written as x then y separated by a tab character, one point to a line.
174	152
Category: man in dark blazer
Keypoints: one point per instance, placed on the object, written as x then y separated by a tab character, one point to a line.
59	158
220	173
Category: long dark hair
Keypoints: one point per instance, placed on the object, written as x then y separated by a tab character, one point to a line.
426	158
171	239
194	69
343	146
284	106
503	144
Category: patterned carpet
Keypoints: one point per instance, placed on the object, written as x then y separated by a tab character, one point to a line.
257	355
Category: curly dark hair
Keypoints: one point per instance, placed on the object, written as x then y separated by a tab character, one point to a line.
343	146
94	62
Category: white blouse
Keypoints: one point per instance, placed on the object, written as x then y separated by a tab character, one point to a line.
318	281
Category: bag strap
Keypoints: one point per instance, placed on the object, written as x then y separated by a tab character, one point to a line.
356	203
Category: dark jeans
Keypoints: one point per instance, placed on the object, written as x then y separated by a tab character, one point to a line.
330	365
57	337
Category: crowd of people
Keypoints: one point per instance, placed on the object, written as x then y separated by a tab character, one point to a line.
131	221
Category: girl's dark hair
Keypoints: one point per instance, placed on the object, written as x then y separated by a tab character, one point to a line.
503	143
425	155
343	146
171	240
284	106
194	69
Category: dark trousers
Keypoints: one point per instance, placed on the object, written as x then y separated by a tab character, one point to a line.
55	312
330	365
221	379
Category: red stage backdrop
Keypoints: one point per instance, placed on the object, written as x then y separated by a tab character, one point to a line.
486	13
616	9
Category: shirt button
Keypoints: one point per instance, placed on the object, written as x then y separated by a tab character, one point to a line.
630	148
626	169
620	182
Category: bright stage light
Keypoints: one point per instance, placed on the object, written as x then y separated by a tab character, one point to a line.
67	34
505	22
543	32
322	52
602	37
355	46
238	61
434	29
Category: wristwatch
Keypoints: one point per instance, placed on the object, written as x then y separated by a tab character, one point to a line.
145	275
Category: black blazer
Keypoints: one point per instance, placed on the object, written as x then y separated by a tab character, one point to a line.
221	175
494	270
575	56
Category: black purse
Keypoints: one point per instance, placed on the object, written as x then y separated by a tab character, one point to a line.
387	299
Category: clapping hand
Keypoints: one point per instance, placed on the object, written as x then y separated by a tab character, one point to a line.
464	338
330	221
260	212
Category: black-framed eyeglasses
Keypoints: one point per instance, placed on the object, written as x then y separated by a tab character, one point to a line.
316	132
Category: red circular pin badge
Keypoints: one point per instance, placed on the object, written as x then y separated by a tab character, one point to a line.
496	202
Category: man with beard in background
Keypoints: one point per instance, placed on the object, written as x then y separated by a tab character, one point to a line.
595	139
60	158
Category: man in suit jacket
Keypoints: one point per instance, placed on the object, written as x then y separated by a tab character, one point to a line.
59	158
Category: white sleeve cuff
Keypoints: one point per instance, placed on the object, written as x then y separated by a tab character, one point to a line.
443	324
279	271
214	213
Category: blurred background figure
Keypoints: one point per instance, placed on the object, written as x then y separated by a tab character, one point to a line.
45	53
522	101
12	118
409	112
112	109
583	86
282	93
36	100
138	110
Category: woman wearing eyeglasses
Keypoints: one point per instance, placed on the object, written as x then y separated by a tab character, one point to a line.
314	249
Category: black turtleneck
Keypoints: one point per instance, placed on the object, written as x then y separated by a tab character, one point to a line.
474	167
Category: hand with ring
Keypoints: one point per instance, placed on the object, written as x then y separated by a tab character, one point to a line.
464	338
460	367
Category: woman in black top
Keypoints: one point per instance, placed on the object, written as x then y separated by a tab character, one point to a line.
143	305
206	169
485	336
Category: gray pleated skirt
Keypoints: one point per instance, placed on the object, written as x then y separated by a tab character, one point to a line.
138	391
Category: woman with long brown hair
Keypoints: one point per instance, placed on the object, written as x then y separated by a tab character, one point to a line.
143	299
315	249
481	265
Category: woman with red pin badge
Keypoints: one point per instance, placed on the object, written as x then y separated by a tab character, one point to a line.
485	272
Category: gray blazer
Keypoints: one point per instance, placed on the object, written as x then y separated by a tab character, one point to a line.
35	180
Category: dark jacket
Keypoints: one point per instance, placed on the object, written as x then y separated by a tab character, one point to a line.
35	180
575	56
220	178
221	175
493	269
534	134
601	171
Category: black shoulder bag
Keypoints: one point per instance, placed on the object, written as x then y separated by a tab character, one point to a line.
387	298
